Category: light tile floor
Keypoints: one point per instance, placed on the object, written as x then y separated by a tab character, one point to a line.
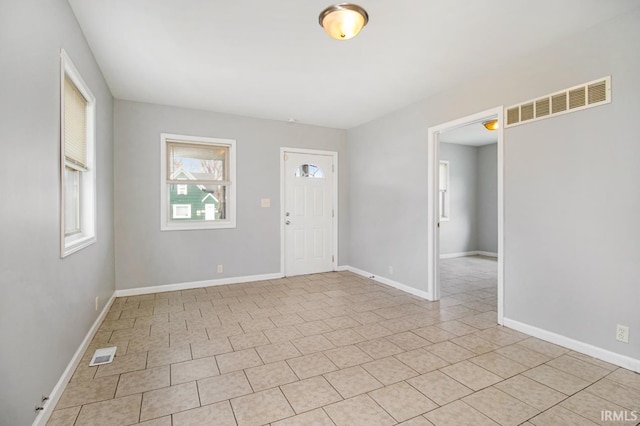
339	349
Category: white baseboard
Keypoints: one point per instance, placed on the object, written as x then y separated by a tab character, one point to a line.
42	418
453	255
387	281
468	253
56	393
488	253
195	284
576	345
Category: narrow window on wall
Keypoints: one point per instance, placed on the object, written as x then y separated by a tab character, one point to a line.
77	160
444	190
197	183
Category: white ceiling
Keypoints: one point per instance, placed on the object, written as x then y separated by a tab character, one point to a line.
271	59
474	134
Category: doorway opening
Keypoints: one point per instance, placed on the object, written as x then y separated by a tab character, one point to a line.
465	210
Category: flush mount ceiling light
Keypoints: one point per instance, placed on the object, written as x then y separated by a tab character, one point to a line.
343	21
491	124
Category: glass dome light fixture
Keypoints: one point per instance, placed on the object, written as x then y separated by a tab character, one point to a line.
343	21
491	124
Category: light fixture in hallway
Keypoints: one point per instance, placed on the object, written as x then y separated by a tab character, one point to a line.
491	124
343	21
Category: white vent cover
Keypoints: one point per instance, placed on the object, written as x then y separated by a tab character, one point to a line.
103	356
587	95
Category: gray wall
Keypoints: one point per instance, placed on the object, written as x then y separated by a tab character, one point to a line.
459	234
145	256
473	180
572	257
47	303
487	200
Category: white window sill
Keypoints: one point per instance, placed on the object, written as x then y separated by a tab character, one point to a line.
77	243
191	226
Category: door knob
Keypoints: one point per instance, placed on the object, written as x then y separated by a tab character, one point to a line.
288	222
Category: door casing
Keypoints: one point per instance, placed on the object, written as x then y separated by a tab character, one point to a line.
335	233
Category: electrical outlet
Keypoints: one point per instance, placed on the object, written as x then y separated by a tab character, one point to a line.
622	333
97	302
220	269
391	269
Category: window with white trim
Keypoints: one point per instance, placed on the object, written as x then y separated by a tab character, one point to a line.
77	160
197	183
443	181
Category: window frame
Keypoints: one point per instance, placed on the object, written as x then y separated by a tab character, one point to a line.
86	235
444	210
166	222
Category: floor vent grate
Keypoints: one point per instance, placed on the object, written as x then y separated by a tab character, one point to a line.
103	356
593	93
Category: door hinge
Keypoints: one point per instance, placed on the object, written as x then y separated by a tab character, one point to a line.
333	213
333	258
286	157
333	168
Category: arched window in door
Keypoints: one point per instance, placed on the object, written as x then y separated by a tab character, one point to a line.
309	171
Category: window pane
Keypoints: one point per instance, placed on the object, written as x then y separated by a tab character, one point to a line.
75	124
205	202
444	181
71	201
197	162
309	171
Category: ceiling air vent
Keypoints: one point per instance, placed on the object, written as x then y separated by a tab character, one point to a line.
593	93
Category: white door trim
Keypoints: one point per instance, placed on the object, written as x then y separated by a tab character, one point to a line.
334	219
433	249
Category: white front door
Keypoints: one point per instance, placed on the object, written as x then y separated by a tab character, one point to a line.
308	213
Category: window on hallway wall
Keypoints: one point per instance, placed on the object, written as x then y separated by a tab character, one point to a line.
197	183
77	160
443	181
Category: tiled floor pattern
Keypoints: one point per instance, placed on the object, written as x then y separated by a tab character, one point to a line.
339	349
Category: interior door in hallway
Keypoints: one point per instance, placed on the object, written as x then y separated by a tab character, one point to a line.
308	213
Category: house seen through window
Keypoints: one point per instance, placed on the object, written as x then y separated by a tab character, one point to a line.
198	187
